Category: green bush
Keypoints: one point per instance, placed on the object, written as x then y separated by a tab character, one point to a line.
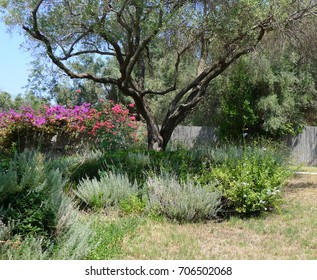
251	180
26	189
134	204
106	192
30	248
37	220
85	165
74	244
184	202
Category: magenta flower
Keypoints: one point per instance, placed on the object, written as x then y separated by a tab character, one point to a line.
29	115
103	121
40	121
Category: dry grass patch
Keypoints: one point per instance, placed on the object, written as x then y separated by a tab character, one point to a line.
306	168
289	234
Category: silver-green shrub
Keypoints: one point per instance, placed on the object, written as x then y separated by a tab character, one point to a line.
184	202
106	192
75	243
37	219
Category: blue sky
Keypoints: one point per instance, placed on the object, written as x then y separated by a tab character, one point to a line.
14	62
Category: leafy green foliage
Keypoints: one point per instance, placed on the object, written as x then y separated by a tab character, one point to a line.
251	180
260	96
25	193
85	165
38	219
154	50
136	164
250	177
134	204
5	101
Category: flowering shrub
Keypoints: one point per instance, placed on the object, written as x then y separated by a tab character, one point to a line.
251	182
56	126
113	125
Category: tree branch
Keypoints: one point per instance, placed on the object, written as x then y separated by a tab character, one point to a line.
142	46
67	56
173	87
35	33
197	88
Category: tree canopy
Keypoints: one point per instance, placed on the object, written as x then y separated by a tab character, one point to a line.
170	49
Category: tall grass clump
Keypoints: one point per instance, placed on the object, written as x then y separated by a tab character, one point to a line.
110	235
182	201
107	192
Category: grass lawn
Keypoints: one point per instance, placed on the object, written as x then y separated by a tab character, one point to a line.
312	169
289	234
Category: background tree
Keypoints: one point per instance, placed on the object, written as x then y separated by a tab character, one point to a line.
47	81
272	101
29	99
6	101
137	35
272	92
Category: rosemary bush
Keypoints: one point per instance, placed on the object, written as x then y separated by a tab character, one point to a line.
107	192
182	201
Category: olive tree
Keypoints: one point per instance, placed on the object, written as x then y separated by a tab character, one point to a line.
138	34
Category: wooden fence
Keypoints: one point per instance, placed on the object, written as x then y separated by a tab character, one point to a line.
303	146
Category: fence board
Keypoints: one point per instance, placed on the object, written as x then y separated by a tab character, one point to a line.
303	146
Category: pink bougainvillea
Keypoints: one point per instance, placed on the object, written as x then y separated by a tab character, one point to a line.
109	125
